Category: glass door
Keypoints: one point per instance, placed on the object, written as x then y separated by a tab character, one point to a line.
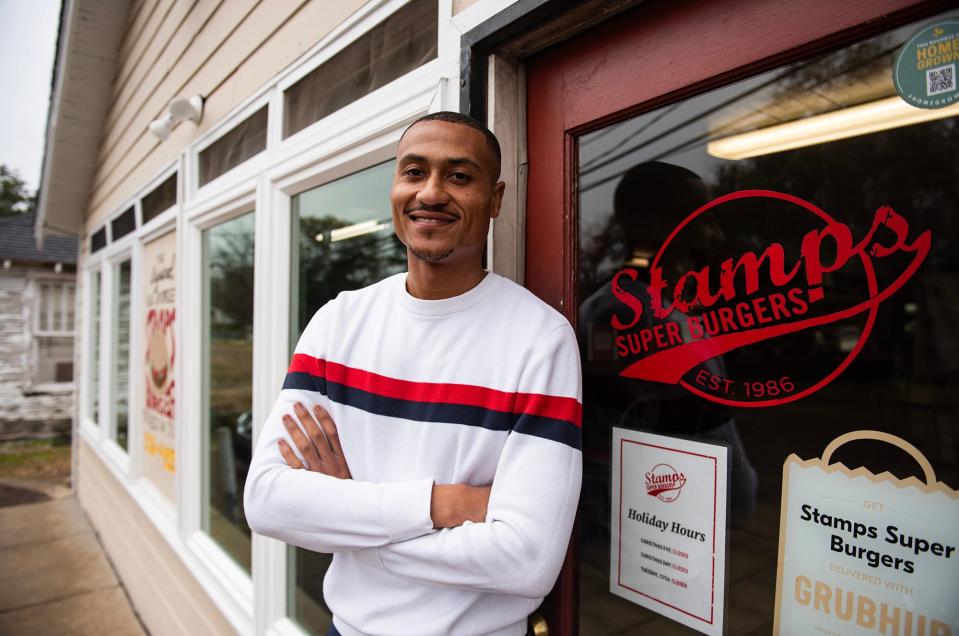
709	268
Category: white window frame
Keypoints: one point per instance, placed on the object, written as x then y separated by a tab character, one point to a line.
229	584
33	297
108	428
89	428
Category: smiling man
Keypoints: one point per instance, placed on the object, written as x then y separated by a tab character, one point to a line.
427	433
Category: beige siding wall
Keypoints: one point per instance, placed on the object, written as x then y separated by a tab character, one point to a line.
165	594
222	49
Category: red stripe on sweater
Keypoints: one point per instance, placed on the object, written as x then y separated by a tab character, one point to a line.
551	406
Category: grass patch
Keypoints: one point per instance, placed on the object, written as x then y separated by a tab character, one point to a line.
35	459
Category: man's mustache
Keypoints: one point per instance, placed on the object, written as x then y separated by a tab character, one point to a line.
439	207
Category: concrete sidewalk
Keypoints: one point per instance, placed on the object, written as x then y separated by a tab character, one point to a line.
55	577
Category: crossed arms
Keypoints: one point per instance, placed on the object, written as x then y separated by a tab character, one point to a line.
318	442
507	537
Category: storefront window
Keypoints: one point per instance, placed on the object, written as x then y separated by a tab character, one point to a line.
121	353
160	199
892	368
228	382
93	403
403	42
343	239
243	142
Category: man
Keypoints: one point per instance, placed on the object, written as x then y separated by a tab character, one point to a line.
428	430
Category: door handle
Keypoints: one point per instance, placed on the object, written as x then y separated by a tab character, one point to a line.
537	625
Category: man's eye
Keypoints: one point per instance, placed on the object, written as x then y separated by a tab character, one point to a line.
459	176
413	172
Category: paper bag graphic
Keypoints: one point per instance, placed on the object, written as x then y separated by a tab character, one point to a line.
866	554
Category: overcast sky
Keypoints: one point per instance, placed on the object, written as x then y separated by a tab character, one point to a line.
28	39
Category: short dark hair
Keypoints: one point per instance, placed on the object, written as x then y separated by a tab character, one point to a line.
451	117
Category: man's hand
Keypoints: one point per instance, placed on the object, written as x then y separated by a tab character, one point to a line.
451	505
454	504
320	446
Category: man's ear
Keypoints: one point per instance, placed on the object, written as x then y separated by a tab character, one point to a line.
498	191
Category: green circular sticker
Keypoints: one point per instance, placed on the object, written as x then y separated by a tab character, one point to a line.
925	71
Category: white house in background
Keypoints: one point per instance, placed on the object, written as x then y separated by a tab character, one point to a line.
37	291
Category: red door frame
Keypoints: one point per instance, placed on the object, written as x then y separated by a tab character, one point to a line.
655	54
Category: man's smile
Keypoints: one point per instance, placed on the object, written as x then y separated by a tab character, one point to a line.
430	218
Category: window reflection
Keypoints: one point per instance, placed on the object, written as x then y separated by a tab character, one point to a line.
642	178
121	354
343	240
228	365
94	399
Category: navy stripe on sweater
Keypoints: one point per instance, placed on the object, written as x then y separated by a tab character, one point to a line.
539	426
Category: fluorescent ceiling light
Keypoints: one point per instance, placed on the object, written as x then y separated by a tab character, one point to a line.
864	119
352	231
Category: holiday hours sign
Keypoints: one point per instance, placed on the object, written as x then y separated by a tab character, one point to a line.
668	526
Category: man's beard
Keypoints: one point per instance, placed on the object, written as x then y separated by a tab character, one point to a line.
430	257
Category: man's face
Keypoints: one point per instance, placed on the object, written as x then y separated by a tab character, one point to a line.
444	192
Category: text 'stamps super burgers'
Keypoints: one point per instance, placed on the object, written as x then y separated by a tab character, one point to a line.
866	554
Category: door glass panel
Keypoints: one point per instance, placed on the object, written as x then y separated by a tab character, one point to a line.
895	369
343	239
228	382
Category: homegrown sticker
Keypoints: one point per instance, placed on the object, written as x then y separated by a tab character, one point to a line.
925	70
690	313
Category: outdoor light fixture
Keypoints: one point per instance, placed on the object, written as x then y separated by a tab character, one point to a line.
883	114
181	109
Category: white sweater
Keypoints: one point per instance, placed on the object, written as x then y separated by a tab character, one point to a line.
479	389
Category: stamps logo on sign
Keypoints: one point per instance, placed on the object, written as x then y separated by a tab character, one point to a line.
664	482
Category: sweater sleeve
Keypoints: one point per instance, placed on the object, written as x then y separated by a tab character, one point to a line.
521	546
316	511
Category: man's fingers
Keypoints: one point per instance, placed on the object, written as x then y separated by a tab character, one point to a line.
336	457
307	449
329	429
313	430
289	456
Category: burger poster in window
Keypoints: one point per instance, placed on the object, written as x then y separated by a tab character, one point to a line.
861	553
159	432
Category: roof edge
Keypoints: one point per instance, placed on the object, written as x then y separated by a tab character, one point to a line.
73	138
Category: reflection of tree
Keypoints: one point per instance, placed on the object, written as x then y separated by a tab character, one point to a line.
855	75
230	250
231	282
601	254
913	169
327	268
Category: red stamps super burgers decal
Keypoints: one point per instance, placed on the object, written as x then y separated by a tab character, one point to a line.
805	275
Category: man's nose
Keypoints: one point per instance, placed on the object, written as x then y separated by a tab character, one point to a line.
433	191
